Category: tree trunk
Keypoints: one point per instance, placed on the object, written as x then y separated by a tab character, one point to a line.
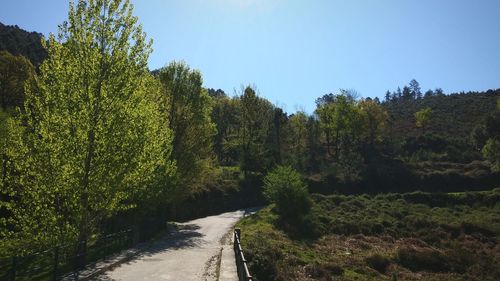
84	202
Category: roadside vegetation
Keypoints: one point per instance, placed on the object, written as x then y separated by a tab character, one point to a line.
409	236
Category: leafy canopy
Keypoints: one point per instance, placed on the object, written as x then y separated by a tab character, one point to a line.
94	142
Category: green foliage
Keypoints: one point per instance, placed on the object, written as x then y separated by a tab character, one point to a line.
10	131
4	117
444	236
297	141
99	135
354	128
284	187
431	147
16	71
94	141
20	42
188	115
378	262
342	122
491	132
422	118
225	116
491	151
375	119
255	117
423	260
453	115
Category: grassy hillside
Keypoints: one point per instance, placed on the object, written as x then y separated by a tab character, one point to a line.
412	236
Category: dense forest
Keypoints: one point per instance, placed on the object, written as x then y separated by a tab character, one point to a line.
20	42
92	141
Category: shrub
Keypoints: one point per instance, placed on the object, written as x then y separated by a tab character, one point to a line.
284	187
425	259
491	150
324	271
378	262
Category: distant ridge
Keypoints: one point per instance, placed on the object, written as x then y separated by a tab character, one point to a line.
453	115
18	41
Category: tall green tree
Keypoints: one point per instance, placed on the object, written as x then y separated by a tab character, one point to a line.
422	118
314	143
256	116
375	118
491	149
341	121
343	126
225	116
94	140
190	108
15	71
415	89
276	140
9	130
298	140
326	114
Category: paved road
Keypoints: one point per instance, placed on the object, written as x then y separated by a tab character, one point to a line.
191	252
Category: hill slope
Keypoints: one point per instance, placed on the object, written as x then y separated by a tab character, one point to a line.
454	115
18	41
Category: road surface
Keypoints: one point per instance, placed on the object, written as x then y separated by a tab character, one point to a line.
190	252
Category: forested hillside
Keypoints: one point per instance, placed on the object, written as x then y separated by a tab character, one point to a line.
454	115
18	41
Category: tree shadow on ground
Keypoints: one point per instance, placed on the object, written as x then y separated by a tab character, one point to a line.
180	236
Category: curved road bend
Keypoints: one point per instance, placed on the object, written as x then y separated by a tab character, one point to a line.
191	252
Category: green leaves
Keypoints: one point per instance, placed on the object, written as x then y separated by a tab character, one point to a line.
491	151
255	117
95	141
284	187
187	113
422	118
15	72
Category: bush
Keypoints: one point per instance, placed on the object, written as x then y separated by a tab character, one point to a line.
423	259
324	271
491	150
378	262
284	187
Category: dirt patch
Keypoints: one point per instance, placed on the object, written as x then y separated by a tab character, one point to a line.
212	267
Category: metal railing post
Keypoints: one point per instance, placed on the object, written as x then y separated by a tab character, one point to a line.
56	263
241	262
13	272
107	240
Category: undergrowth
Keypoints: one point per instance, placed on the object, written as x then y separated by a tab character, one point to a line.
413	236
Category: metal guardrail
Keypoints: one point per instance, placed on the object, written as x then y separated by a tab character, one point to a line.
241	262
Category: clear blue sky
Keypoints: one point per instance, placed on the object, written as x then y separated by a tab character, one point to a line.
295	51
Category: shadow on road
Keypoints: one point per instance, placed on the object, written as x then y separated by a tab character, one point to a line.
179	237
182	236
